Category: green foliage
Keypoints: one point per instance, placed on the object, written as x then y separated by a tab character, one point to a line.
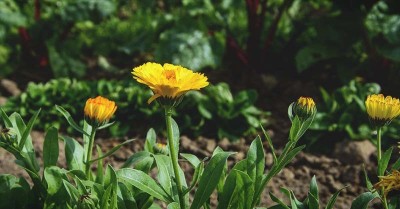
217	108
310	202
343	113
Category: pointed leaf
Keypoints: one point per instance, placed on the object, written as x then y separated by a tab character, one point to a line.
144	182
384	161
210	179
362	201
28	130
70	120
50	147
151	138
114	149
73	154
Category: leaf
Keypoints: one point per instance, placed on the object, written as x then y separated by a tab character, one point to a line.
256	163
332	200
28	130
165	175
314	188
100	175
50	147
73	154
137	157
173	205
143	182
236	192
127	195
70	120
54	179
269	143
187	48
114	149
150	142
193	160
362	201
210	179
277	200
5	118
384	161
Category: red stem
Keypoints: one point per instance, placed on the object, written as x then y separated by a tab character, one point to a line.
37	10
239	53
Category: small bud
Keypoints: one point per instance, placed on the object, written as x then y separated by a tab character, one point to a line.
304	108
8	136
161	148
99	110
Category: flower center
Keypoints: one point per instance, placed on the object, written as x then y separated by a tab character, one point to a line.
170	74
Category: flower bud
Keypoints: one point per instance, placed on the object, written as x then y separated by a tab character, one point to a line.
8	136
99	110
161	148
304	108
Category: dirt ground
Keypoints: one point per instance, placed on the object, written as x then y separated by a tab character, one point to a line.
332	173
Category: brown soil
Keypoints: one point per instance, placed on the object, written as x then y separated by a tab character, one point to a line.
332	174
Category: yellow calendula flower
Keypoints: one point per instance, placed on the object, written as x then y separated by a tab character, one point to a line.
304	107
168	81
99	110
382	110
389	183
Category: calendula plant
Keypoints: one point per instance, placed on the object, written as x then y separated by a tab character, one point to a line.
381	111
79	186
240	187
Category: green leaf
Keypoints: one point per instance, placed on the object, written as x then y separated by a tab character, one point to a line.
100	175
50	147
384	161
362	201
5	118
256	163
175	135
54	179
127	196
70	120
106	125
144	182
277	200
114	149
137	157
210	179
193	159
173	205
150	142
73	154
28	130
332	200
314	188
198	172
165	175
11	191
312	201
269	143
236	192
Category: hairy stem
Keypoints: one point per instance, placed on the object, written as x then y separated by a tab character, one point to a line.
174	156
89	152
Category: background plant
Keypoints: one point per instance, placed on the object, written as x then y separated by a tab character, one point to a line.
212	113
341	115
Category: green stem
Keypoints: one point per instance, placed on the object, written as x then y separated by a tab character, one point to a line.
89	152
379	143
174	156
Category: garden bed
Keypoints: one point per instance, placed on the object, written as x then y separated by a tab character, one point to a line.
332	173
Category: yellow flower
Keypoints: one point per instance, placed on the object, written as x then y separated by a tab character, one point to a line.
99	110
304	108
389	183
161	148
168	81
382	110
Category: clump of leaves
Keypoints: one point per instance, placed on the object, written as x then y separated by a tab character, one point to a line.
220	112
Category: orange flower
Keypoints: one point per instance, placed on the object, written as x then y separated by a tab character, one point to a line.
99	110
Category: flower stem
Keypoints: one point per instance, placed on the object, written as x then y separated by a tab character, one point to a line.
89	153
379	133
174	155
379	143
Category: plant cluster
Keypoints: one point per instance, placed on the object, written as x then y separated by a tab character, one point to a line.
215	110
155	173
341	114
66	38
